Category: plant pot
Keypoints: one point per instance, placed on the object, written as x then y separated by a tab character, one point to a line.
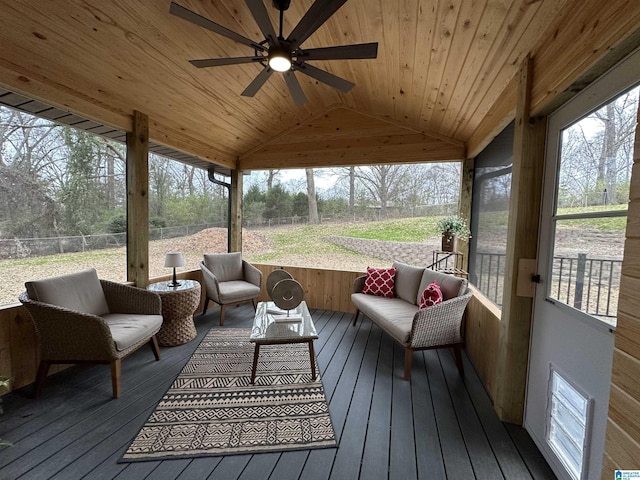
449	242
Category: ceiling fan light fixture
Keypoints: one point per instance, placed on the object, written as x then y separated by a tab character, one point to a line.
279	59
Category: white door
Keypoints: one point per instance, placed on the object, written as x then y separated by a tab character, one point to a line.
587	174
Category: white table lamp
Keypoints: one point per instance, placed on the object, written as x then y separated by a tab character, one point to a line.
174	259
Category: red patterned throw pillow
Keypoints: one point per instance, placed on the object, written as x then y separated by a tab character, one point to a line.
380	282
432	295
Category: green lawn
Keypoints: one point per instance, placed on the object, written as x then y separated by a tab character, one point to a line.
308	238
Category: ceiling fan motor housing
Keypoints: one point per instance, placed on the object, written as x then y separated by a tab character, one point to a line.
281	5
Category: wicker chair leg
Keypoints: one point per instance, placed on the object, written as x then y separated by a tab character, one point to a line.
255	304
222	315
153	341
408	363
457	351
43	369
206	302
355	317
116	374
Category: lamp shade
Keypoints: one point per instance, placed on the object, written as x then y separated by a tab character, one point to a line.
174	259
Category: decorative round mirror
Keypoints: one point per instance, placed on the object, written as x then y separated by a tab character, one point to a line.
274	277
287	294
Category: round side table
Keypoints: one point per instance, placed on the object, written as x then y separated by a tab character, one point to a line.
178	305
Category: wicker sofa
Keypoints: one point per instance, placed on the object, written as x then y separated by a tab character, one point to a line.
437	326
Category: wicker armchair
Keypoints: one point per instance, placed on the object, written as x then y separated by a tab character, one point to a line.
229	280
81	319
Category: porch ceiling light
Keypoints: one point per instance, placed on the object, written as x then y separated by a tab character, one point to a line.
279	59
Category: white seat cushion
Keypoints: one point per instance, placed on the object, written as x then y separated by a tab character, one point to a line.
393	315
127	329
237	291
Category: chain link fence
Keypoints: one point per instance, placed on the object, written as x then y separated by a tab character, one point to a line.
37	247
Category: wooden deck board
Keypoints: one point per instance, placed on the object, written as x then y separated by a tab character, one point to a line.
355	430
402	458
375	458
483	460
429	461
457	463
437	426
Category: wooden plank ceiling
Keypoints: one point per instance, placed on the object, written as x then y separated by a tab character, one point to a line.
441	65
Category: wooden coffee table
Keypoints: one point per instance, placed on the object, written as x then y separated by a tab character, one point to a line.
266	331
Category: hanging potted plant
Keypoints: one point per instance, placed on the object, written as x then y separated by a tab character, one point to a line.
452	228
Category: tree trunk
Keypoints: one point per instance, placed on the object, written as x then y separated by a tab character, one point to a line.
352	189
609	152
311	193
111	181
271	175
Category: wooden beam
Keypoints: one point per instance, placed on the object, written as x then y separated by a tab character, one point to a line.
364	151
39	86
236	210
185	141
466	198
343	137
138	201
522	242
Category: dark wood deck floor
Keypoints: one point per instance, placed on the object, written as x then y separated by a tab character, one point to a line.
437	426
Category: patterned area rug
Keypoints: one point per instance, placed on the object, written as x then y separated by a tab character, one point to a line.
213	409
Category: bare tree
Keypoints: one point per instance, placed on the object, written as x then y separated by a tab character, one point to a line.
383	183
311	194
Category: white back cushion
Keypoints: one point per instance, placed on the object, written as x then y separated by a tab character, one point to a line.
79	291
225	266
450	285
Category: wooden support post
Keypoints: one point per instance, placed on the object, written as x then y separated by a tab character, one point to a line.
236	210
522	242
138	201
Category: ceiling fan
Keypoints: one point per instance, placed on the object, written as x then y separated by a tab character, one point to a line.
283	54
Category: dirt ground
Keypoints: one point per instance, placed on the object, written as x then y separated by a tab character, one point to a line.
111	263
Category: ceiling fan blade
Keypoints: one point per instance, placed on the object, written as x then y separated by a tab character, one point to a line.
342	52
257	83
217	62
261	17
317	14
295	88
188	15
325	77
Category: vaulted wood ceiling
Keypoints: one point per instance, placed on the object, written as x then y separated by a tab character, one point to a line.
441	66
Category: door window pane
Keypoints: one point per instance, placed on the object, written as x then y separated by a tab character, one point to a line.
594	175
587	264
